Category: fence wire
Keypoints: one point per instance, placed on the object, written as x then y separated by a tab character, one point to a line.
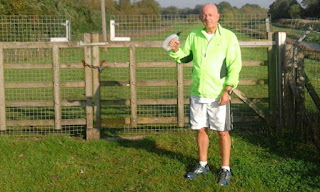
28	28
157	28
15	74
140	27
115	98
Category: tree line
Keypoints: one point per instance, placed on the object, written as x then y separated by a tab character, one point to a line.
85	14
291	9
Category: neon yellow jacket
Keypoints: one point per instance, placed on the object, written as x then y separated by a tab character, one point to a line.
216	63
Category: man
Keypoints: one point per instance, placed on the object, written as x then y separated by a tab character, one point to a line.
216	68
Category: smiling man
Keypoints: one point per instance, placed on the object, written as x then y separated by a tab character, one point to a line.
216	68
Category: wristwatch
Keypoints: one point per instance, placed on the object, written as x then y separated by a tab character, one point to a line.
229	91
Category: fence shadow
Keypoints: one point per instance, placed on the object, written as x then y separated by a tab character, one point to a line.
150	145
287	145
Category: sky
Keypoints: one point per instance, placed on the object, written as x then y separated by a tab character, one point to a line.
192	3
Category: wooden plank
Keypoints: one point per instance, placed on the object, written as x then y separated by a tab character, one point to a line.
173	64
74	122
312	92
156	64
172	101
180	96
78	103
28	66
115	64
254	63
142	102
74	84
158	44
146	44
32	45
46	122
42	84
44	103
253	100
56	87
2	95
29	85
71	65
88	80
156	83
262	43
157	102
251	104
288	94
96	82
133	87
300	100
153	120
115	83
253	82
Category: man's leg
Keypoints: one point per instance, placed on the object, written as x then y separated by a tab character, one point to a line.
225	147
203	144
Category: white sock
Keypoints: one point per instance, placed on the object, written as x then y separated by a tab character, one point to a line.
226	168
203	163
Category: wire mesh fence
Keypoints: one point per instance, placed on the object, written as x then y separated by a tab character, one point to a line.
28	28
29	94
157	28
140	27
156	74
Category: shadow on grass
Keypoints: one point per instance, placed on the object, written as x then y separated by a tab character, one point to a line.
287	145
150	145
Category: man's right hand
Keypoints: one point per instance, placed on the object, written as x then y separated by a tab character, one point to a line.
174	44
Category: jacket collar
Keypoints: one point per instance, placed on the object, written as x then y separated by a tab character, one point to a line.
219	29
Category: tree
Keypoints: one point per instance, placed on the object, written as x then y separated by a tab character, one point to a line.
148	7
295	11
312	8
280	8
172	10
224	6
197	9
252	9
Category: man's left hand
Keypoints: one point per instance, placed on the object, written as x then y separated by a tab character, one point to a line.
224	99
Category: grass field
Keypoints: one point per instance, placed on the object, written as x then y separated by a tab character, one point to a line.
155	163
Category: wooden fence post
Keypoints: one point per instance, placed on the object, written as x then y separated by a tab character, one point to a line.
275	79
180	96
56	87
91	133
2	95
288	88
300	82
96	81
133	87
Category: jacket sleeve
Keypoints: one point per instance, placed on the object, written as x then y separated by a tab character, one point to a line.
234	62
183	51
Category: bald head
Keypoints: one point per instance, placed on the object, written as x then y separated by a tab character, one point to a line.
209	7
210	16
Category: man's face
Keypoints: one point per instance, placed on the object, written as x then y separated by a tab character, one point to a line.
209	17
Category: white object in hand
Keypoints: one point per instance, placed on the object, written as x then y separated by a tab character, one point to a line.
165	43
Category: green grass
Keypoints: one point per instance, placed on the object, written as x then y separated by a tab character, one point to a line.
155	163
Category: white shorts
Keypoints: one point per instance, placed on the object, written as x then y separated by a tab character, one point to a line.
210	115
